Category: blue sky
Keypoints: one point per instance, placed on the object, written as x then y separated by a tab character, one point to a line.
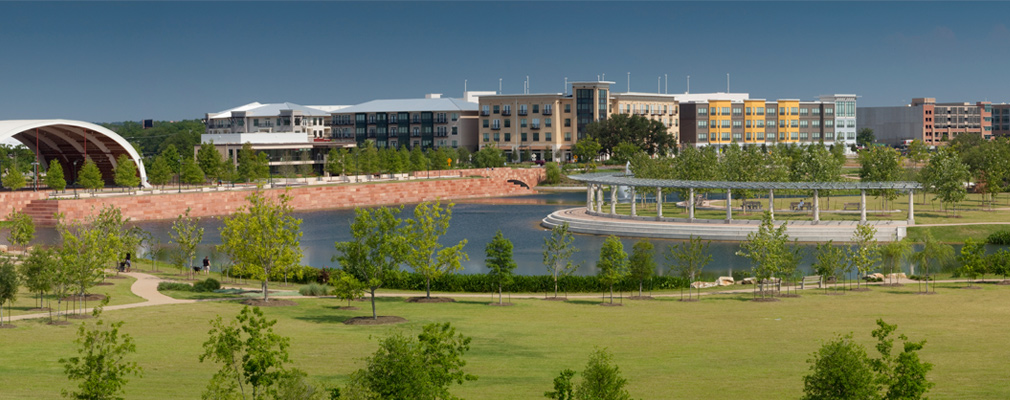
178	60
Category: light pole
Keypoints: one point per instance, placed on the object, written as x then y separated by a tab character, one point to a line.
75	178
36	166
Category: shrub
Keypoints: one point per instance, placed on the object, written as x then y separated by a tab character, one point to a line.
1000	237
553	174
182	287
207	285
314	289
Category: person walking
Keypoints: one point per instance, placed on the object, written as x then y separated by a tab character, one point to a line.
127	262
206	265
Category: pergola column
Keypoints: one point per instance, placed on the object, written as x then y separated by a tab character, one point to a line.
634	211
690	204
817	208
589	197
613	199
862	206
771	203
729	205
599	198
911	208
659	203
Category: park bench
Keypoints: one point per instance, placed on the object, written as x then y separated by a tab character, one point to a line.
795	206
752	206
855	206
812	279
699	200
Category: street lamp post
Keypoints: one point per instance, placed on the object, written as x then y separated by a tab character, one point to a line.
75	178
36	166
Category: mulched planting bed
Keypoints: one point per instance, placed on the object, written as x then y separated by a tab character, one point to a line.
640	298
789	295
689	300
501	305
765	299
891	285
87	297
380	320
833	293
971	287
8	326
556	298
1003	283
270	303
924	293
611	304
430	300
862	289
59	323
40	309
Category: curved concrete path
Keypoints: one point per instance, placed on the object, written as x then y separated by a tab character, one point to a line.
146	286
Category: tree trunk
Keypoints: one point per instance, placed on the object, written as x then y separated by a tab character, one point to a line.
611	293
639	288
373	303
555	287
265	292
499	293
427	287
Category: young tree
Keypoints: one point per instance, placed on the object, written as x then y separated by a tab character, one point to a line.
172	156
191	173
13	179
499	261
933	255
586	150
336	161
880	164
999	262
263	236
425	255
613	263
210	160
101	364
83	253
305	168
54	176
892	255
186	234
22	229
688	259
553	174
831	262
37	271
865	254
946	175
347	287
840	370
558	250
564	389
91	176
9	283
972	259
376	250
766	249
402	368
418	162
126	172
250	353
641	264
903	376
602	380
865	137
160	173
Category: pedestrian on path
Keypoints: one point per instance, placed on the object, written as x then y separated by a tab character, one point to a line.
206	265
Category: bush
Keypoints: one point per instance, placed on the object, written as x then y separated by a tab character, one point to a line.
314	289
207	285
1001	237
553	174
182	287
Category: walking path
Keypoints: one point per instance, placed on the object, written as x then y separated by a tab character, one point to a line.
146	286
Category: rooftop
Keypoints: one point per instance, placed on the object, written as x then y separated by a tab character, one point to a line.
256	109
410	105
620	178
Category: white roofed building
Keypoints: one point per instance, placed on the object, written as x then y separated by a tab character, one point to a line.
431	122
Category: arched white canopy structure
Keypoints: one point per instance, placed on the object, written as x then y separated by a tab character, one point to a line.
71	142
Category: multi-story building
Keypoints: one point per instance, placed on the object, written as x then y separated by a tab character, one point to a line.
845	117
1001	119
926	120
720	119
430	122
547	125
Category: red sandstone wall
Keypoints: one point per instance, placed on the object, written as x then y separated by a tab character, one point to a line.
202	204
18	200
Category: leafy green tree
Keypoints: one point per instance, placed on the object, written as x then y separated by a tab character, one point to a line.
903	376
641	264
865	137
972	259
865	254
613	263
402	368
553	174
368	158
13	179
54	176
462	156
91	176
347	287
918	152
999	262
250	353
499	261
830	262
489	157
22	229
37	271
650	136
83	253
173	158
101	364
376	250
840	370
425	255
766	249
880	164
602	380
336	161
160	173
624	152
10	280
564	389
187	234
252	165
418	162
191	173
263	237
946	175
126	172
933	255
892	255
210	160
558	251
586	150
816	164
688	259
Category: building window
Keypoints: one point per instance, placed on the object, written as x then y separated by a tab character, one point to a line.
702	124
725	123
736	124
803	124
702	110
508	137
547	109
508	123
455	130
485	110
536	136
536	123
455	116
737	136
487	137
724	110
712	123
507	109
536	108
829	123
568	122
794	123
736	110
547	136
523	136
782	123
815	111
804	111
760	123
782	111
522	109
702	137
486	123
522	123
497	136
547	122
568	136
496	124
815	123
568	108
760	110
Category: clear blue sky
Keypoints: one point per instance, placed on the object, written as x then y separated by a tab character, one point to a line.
129	61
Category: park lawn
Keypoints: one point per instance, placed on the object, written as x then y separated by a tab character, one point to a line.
956	233
723	347
119	291
182	295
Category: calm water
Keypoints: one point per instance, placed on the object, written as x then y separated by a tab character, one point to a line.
476	221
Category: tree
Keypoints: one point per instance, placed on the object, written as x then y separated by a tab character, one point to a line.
418	162
37	271
602	380
336	161
613	263
187	234
424	253
83	253
126	172
553	174
191	173
641	264
766	249
918	152
91	177
54	176
946	176
210	160
347	287
13	179
904	376
624	152
252	165
650	136
263	236
865	254
880	164
160	173
172	156
999	262
488	157
250	353
865	137
840	370
402	368
564	389
376	250
688	259
499	261
586	150
933	255
830	262
22	229
558	252
101	364
9	283
892	255
972	259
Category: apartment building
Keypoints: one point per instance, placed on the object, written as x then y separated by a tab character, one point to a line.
925	119
720	119
431	122
547	125
1001	120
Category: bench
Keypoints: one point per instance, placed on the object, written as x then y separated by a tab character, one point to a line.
812	279
752	206
699	200
795	206
855	206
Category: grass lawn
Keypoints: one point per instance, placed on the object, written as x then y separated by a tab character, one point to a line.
119	290
723	347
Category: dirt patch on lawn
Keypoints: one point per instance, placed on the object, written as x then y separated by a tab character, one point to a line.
925	293
1003	283
556	298
611	304
972	287
891	285
789	295
862	289
42	309
115	277
269	303
689	300
766	299
104	284
640	298
500	304
79	316
8	326
380	320
430	300
87	297
834	293
59	323
348	308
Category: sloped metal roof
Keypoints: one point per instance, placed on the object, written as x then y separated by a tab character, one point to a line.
620	178
409	105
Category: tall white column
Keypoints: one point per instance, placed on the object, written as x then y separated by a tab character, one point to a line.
911	208
690	204
771	203
817	208
862	206
613	199
599	198
634	211
659	203
729	205
589	197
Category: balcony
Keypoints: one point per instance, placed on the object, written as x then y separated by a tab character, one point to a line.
547	111
485	113
495	127
441	121
506	112
535	126
522	112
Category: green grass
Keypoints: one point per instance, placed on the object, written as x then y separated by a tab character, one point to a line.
956	233
178	294
119	292
723	347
